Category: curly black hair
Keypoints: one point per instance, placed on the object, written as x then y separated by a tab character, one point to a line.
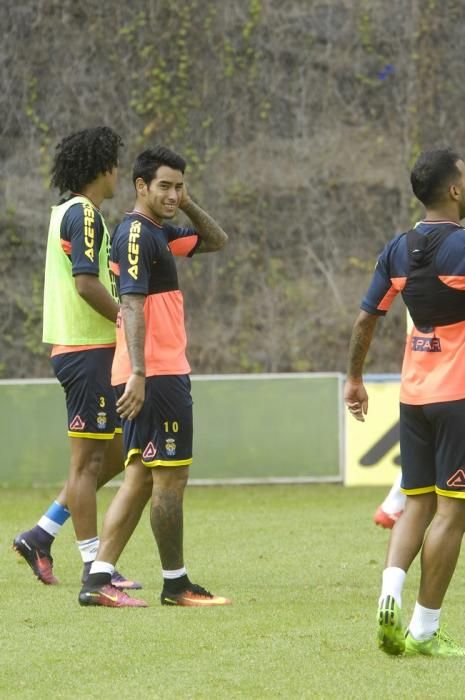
83	156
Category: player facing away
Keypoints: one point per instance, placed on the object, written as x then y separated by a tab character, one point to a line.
427	266
151	375
80	312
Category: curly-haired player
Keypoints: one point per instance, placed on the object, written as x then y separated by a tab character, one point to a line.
80	311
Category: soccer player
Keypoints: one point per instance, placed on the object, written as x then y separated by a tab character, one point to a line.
427	266
80	312
151	373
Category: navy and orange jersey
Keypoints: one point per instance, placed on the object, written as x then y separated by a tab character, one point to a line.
142	259
81	235
427	266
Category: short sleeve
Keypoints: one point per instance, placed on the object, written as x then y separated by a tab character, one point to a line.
81	235
133	253
381	292
182	240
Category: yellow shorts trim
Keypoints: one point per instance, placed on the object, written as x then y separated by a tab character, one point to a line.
130	455
118	431
416	492
450	494
92	436
158	462
166	463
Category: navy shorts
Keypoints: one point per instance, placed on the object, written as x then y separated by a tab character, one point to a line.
85	376
432	447
162	432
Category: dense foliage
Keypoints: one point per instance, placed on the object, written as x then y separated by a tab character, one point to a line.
299	119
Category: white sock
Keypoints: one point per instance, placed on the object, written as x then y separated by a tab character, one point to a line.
174	573
102	567
88	548
424	622
395	500
393	584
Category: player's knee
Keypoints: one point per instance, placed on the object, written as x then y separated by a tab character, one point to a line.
138	479
88	462
170	478
451	511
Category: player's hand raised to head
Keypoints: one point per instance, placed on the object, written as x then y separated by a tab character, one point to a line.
184	196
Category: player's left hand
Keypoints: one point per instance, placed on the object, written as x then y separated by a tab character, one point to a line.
130	403
356	399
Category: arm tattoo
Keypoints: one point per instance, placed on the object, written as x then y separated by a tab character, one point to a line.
212	235
132	310
360	341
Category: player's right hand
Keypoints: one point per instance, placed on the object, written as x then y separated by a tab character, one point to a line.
356	399
131	402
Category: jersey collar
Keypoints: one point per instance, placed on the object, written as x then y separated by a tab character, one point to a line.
138	213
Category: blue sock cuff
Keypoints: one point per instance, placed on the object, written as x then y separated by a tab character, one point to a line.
58	513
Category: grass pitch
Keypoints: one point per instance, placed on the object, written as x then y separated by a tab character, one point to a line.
303	566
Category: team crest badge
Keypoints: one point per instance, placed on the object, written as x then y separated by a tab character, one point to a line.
77	423
101	420
149	452
170	447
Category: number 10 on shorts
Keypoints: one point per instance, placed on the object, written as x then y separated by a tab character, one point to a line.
174	426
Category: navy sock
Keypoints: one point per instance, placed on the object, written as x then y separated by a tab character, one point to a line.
40	538
97	581
176	585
